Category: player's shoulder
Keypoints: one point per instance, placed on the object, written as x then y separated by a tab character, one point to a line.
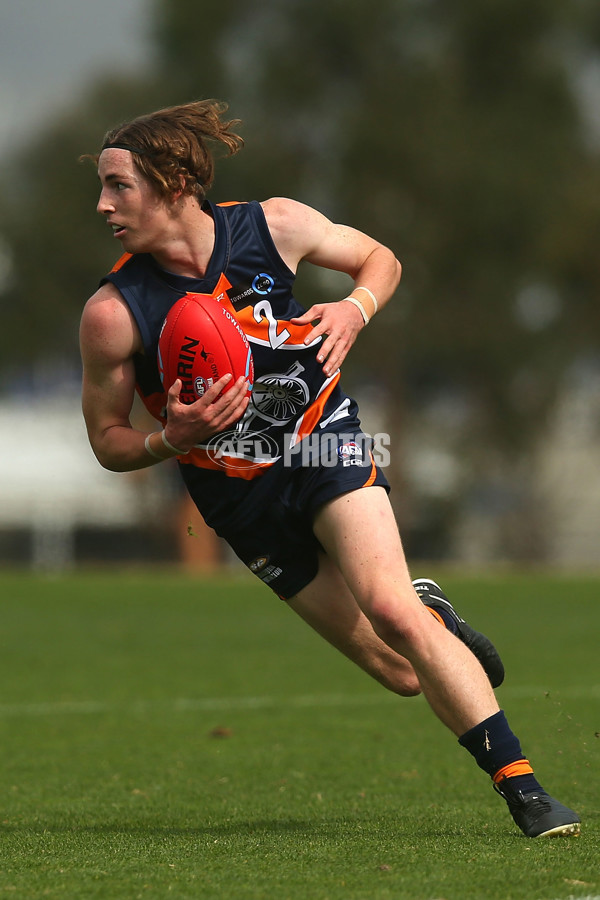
107	317
286	209
288	215
106	300
295	227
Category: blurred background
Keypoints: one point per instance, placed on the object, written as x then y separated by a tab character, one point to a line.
464	136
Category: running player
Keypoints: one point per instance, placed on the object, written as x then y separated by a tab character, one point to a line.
316	526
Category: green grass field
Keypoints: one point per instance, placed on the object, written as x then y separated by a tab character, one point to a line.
168	737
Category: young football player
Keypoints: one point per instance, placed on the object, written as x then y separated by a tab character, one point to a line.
317	527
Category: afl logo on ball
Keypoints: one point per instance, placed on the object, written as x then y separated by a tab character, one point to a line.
201	385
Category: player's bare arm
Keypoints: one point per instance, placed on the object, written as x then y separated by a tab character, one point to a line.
109	339
303	233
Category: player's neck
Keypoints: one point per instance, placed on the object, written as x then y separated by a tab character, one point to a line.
188	248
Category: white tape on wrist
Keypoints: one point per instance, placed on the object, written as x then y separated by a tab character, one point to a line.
149	449
170	446
371	295
360	307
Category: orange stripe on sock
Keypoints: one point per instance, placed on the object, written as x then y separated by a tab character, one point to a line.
436	615
520	767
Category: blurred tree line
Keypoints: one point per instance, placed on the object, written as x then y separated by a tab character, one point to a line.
463	136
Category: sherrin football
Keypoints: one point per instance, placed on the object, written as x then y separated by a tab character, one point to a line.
200	341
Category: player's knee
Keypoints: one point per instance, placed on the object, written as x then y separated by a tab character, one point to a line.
398	628
410	690
393	672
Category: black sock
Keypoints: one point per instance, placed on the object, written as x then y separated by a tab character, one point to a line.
494	746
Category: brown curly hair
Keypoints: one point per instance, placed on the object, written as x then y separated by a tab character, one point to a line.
172	146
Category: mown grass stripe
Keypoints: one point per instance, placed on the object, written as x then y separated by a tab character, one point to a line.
195	704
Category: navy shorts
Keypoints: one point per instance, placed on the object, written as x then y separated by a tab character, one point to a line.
280	547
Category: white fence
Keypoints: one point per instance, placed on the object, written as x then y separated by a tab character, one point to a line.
51	483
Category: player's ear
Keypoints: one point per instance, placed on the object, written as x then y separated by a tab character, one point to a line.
178	192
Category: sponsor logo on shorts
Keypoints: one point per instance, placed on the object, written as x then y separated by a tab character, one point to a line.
257	564
270	574
265	572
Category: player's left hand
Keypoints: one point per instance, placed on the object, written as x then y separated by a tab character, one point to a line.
219	408
340	322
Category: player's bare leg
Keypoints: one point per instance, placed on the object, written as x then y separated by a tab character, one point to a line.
452	680
450	676
329	607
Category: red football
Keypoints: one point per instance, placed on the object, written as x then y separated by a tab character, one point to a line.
200	341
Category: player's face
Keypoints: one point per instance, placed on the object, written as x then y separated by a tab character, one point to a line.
132	207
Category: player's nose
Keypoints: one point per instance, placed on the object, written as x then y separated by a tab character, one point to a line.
104	206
